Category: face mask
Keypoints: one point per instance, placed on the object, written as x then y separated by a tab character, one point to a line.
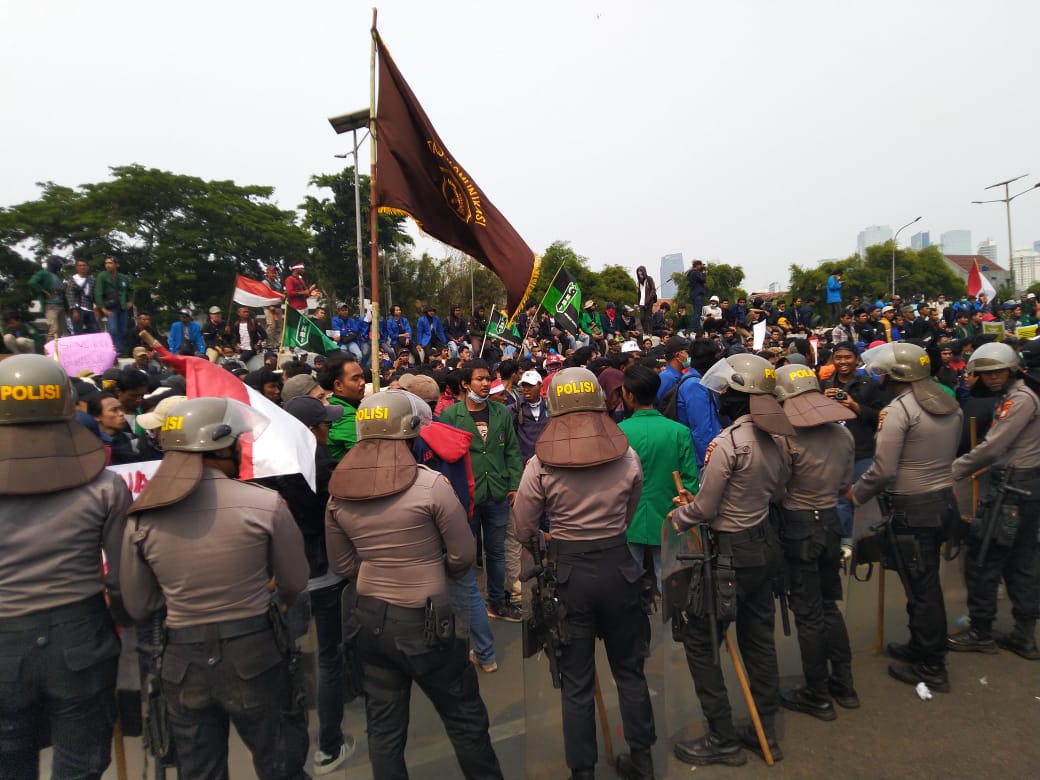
686	363
476	398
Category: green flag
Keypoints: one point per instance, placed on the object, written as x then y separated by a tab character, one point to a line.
300	331
498	328
563	300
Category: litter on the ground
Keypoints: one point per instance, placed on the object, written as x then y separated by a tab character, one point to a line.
984	681
923	692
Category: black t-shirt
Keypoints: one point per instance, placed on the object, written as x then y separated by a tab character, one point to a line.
482	419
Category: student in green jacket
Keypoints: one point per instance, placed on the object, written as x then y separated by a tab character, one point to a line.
114	296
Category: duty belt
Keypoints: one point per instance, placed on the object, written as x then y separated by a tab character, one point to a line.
372	605
726	540
56	615
577	546
808	515
227	629
905	502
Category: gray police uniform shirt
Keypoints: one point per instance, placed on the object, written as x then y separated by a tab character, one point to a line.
578	505
822	460
52	545
744	470
402	548
1014	437
914	450
211	555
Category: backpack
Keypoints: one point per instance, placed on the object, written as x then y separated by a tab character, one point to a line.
669	405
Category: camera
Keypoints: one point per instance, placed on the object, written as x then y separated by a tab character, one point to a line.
840	395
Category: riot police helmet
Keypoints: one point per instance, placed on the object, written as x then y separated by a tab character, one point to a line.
574	389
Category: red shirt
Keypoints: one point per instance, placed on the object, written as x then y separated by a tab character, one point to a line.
296	292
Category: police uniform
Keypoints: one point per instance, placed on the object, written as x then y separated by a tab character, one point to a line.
397	531
744	469
917	438
1013	441
599	582
821	457
205	546
60	510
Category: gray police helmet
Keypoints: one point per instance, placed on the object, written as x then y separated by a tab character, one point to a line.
207	424
994	356
745	373
793	380
391	414
34	389
574	389
900	362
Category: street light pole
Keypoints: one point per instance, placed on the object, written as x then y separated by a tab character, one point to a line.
895	243
1006	200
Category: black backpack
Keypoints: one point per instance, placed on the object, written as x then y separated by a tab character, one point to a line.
669	404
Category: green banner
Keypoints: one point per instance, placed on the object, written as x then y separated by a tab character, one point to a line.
300	331
498	328
563	301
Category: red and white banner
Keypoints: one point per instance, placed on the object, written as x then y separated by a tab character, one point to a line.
977	283
250	292
285	447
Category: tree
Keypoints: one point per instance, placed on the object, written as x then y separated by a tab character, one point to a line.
333	225
723	280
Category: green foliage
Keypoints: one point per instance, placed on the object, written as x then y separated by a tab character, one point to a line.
15	271
917	272
723	280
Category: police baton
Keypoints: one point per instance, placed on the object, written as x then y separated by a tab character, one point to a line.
738	665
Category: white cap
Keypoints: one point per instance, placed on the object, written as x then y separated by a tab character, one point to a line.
630	346
532	377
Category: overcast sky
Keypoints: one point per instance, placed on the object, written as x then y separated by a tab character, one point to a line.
755	133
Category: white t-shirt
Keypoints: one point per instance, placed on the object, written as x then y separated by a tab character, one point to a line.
243	337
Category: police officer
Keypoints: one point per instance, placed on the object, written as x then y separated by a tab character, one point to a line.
744	469
580	450
205	546
58	645
1013	441
917	439
397	531
821	451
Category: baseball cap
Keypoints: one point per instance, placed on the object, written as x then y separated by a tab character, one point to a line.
887	309
299	385
155	418
530	377
140	351
421	385
185	313
215	310
630	346
311	411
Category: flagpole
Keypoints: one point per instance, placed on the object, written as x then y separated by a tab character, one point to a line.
372	221
285	323
482	343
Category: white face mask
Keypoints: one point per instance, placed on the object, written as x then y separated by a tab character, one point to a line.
477	399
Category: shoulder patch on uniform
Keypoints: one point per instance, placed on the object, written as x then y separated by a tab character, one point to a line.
446	480
1004	408
881	418
707	452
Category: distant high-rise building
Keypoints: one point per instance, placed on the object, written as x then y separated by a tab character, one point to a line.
955	242
988	249
919	241
670	264
1027	267
1036	246
875	234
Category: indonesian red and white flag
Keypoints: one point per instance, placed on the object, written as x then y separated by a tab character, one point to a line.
286	445
977	283
250	292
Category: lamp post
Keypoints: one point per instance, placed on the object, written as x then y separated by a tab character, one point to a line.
1006	200
352	123
895	243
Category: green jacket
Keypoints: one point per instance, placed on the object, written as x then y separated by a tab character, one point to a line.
343	432
27	331
663	446
107	287
44	281
497	463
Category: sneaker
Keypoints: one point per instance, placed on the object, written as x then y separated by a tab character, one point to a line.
488	667
324	763
971	640
503	610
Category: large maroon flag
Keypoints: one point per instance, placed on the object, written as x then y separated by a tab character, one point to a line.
418	177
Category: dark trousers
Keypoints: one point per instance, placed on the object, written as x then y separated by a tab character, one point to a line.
244	681
58	674
85	322
814	585
1019	565
924	597
118	322
697	302
325	607
601	592
393	655
489	522
755	614
646	319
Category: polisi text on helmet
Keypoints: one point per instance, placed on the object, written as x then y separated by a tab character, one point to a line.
572	388
30	393
373	413
173	423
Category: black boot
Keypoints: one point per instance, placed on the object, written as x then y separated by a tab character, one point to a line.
710	749
902	652
637	765
749	738
935	677
843	693
1022	640
583	774
976	639
811	702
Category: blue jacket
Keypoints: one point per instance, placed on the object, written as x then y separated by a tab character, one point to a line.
393	328
348	329
425	329
696	408
194	336
833	289
668	379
